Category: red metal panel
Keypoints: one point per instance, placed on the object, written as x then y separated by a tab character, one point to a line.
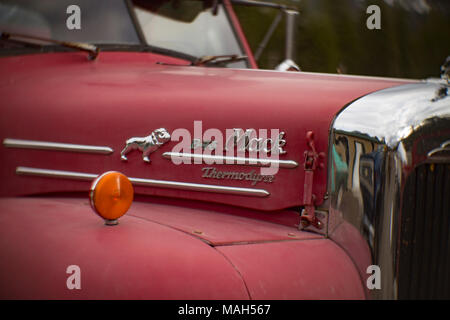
219	228
62	97
138	259
311	269
351	240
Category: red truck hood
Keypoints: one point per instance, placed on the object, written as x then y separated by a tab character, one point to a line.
161	251
62	97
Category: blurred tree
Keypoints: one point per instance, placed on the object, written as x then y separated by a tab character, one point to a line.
331	36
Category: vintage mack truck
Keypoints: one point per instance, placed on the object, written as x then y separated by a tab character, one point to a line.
145	156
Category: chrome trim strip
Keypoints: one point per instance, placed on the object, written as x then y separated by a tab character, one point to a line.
55	173
290	164
145	182
56	146
200	187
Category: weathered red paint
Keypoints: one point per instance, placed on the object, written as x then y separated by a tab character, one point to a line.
63	97
138	259
146	257
310	269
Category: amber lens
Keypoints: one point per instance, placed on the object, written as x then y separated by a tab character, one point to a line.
111	195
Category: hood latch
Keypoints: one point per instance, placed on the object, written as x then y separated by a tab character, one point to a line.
312	162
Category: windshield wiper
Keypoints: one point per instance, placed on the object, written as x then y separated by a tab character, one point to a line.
228	58
22	38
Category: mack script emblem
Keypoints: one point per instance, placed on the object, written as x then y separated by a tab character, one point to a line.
245	141
147	144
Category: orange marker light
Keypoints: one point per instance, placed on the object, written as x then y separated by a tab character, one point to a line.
111	196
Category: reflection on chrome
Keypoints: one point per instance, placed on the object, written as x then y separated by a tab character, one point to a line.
376	144
392	114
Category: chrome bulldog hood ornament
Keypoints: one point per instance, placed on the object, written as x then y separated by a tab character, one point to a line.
147	144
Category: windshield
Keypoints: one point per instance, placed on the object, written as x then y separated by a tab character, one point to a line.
192	27
105	21
188	26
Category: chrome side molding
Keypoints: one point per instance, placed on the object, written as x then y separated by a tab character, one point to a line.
209	159
55	173
145	182
55	146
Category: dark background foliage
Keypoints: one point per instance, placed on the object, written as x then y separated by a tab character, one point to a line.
331	36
